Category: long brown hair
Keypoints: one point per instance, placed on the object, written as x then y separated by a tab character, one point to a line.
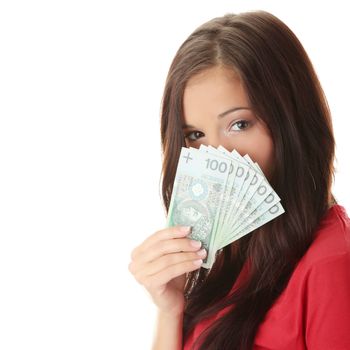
285	93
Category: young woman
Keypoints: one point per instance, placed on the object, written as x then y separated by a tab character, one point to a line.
245	82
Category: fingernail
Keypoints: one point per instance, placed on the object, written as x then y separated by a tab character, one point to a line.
202	253
195	243
185	229
198	262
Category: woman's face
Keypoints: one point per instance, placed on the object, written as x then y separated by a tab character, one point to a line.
217	112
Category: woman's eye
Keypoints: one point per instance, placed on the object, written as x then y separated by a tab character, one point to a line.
240	125
194	135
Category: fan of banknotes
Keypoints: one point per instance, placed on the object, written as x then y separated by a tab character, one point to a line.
222	196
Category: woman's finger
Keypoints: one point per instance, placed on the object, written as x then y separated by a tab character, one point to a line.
167	260
161	278
166	247
165	234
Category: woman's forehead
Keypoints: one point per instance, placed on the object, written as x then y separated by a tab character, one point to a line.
214	91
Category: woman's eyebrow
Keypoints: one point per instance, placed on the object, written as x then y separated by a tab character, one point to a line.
234	109
186	126
221	115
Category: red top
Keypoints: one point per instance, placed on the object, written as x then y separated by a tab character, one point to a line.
313	312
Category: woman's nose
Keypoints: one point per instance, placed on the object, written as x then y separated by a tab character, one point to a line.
217	140
214	139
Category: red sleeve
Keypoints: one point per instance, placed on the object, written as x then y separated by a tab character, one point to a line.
327	318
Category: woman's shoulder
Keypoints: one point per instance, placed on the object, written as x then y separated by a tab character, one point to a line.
320	285
332	239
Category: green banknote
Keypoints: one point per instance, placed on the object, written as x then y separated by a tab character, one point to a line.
196	199
222	196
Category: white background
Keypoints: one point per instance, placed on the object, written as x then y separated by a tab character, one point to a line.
80	90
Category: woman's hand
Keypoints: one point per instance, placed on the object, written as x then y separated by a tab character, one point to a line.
160	264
